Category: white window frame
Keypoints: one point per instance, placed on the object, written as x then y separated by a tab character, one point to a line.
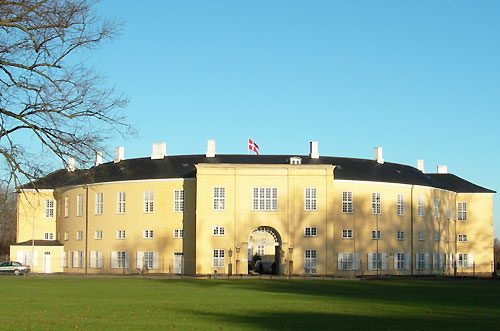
465	260
462	211
400	262
121	259
420	261
436	236
218	231
376	261
148	260
79	205
95	260
347	202
347	261
421	236
436	207
261	250
437	261
148	234
66	206
219	198
401	235
66	235
310	199
347	233
99	202
376	203
149	201
121	201
310	231
78	259
421	206
376	234
310	261
120	234
79	235
98	235
400	205
462	238
48	236
218	258
49	205
178	233
178	201
265	198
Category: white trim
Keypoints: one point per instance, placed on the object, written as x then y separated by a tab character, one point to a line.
65	188
398	184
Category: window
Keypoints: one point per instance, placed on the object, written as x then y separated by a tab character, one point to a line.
401	205
310	261
436	208
420	206
148	260
400	261
120	202
219	231
218	258
179	233
375	261
261	251
79	205
437	261
121	258
310	231
448	213
376	203
66	235
98	235
462	211
98	203
49	208
48	236
78	259
421	261
66	206
148	234
346	261
465	260
148	201
219	198
79	235
401	235
178	201
120	234
310	202
96	259
346	234
436	236
421	235
295	160
265	199
376	234
462	238
347	202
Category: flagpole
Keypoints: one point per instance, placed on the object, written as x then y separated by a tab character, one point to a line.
248	149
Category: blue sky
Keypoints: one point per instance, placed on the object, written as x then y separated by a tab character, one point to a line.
419	78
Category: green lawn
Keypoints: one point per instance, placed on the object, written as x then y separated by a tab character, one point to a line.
200	304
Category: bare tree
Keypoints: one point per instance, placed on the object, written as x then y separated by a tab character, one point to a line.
7	220
48	95
496	253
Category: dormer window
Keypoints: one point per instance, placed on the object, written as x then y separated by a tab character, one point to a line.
295	160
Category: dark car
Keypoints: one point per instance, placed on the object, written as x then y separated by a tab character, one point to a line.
14	267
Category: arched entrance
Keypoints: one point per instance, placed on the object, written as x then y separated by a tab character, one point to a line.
264	251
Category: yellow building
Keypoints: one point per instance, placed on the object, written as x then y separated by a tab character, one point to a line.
239	214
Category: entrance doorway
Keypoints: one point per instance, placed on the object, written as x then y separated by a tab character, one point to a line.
46	262
264	251
178	263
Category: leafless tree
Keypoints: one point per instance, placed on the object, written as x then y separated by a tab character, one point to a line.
51	102
496	252
7	220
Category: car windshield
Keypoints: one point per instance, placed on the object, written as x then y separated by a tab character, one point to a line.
16	264
4	264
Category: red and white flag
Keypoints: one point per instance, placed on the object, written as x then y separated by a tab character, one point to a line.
253	146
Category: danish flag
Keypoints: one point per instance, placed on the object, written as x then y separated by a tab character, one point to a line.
253	146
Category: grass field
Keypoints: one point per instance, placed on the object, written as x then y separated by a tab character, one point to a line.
195	304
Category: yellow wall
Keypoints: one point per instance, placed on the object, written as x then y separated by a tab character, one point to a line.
31	216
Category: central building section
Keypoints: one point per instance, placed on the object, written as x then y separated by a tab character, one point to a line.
278	214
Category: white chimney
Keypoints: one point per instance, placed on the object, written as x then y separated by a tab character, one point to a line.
210	148
159	151
71	164
98	158
314	154
420	165
120	154
442	169
378	155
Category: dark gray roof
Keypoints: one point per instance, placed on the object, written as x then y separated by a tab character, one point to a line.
39	243
457	184
183	166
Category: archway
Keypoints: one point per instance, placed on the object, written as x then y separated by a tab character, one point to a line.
264	251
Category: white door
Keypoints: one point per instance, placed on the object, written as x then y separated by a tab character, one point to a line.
46	262
178	263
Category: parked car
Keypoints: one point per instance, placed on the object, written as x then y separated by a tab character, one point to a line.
14	267
264	267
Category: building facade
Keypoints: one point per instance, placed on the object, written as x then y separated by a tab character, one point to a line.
200	214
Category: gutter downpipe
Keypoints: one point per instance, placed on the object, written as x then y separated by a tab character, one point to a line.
86	225
411	232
